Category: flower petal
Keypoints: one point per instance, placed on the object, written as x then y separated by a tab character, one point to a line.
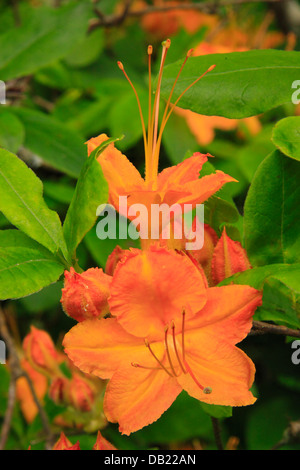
137	397
203	188
99	347
151	288
224	368
119	172
184	172
228	312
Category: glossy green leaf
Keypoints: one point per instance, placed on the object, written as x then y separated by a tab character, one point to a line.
243	84
22	203
271	212
12	131
52	141
286	136
45	35
90	192
25	266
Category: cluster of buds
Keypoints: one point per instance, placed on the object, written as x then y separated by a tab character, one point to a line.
76	390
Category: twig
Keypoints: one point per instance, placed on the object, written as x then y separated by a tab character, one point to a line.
217	433
17	372
261	328
209	7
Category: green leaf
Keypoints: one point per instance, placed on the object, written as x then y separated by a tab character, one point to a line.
271	212
90	192
243	84
217	411
22	203
281	298
45	35
286	136
52	141
12	131
25	266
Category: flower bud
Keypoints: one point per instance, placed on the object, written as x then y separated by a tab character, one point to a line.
113	260
58	390
81	393
40	351
85	295
102	443
64	443
229	258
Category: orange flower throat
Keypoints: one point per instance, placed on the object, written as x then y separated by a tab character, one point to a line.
171	369
152	137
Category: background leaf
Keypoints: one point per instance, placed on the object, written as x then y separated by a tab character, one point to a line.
271	212
21	201
243	84
286	136
25	266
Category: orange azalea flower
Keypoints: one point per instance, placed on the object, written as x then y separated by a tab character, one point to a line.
179	184
168	332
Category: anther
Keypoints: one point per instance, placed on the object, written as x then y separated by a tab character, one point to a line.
150	49
120	65
190	52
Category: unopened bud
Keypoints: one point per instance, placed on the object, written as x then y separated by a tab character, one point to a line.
40	351
85	295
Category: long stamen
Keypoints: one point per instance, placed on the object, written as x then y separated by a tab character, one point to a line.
168	352
182	335
166	118
149	151
156	358
154	120
206	390
135	364
175	348
121	67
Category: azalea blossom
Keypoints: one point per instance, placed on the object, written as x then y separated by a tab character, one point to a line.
179	184
167	332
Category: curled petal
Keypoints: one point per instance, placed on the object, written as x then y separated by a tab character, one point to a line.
184	172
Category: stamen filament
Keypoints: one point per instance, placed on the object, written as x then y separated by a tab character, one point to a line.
175	348
121	67
182	335
168	352
156	358
154	120
149	151
135	364
165	119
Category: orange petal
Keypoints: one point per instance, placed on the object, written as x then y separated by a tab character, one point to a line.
119	172
214	363
184	172
229	257
205	187
228	312
137	397
152	287
99	347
